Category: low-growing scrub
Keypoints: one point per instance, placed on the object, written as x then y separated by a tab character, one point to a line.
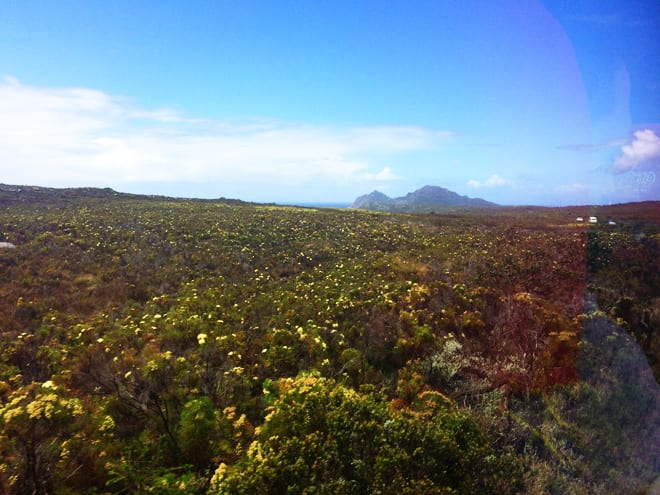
157	346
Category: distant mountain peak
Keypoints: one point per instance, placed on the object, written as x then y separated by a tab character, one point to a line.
424	199
371	201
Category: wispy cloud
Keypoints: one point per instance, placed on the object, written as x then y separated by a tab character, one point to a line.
384	175
80	136
588	148
641	153
493	181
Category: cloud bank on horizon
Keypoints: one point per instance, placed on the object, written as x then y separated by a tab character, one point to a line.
67	137
79	136
297	104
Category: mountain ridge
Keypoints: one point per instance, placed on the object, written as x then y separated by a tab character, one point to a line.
425	199
16	194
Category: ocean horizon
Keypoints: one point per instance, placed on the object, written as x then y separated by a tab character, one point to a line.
316	204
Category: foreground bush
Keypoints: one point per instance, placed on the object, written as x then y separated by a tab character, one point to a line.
322	437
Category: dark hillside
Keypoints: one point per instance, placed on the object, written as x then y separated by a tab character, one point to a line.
424	200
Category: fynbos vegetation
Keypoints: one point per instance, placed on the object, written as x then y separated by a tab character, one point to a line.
170	346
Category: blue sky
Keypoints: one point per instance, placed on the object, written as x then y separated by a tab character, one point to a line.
518	102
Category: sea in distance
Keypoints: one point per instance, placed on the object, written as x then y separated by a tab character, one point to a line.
317	205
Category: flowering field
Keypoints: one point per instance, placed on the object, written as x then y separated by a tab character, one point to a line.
152	345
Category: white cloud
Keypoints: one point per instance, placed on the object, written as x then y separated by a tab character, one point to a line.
643	152
496	180
492	181
79	136
589	148
385	175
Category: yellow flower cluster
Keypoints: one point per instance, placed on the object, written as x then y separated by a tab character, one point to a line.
43	405
107	425
219	474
